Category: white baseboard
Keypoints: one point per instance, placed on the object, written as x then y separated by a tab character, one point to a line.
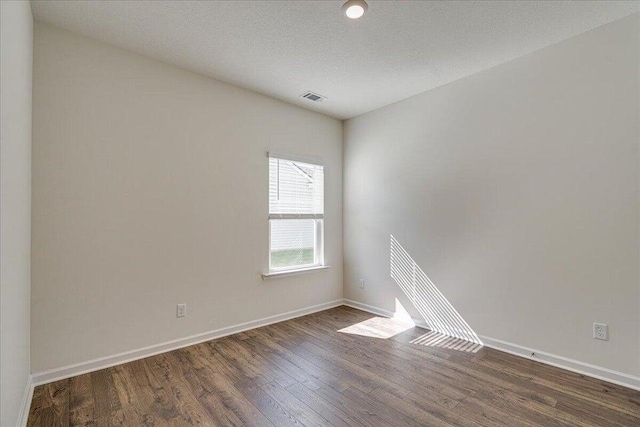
368	308
381	312
116	359
587	369
515	349
572	365
23	415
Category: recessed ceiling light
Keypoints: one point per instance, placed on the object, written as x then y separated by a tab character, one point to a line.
354	9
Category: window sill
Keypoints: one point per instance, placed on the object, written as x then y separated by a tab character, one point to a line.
275	274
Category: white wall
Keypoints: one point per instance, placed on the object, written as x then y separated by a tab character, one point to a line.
16	45
516	190
150	188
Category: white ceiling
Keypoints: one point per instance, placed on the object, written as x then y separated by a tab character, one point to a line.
284	48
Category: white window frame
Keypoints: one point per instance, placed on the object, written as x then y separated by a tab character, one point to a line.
318	250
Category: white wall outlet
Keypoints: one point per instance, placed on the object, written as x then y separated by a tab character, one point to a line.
181	310
601	331
361	283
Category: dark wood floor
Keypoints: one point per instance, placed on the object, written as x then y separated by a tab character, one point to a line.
304	372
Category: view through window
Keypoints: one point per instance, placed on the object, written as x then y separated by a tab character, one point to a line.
296	214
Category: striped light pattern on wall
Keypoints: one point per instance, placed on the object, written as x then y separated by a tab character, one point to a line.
448	328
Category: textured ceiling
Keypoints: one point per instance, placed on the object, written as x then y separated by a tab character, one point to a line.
284	48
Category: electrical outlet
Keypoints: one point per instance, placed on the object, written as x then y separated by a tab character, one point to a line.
182	310
601	331
361	283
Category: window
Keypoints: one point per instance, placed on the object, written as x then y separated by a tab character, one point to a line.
296	214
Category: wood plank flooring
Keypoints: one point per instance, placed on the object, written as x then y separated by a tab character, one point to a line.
303	372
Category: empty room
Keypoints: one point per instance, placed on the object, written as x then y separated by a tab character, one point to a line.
320	213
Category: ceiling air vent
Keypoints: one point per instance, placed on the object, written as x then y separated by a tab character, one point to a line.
311	96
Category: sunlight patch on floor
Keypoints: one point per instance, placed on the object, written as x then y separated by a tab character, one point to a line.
378	327
436	339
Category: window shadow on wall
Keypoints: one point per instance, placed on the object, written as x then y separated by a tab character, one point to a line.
447	327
